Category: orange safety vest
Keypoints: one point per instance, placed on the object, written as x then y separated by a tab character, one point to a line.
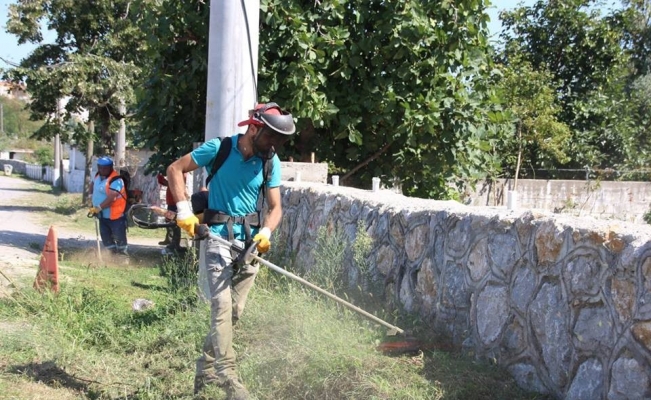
120	204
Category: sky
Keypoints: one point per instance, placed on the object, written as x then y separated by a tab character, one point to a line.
12	52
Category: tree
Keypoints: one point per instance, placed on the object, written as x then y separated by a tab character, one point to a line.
530	97
94	61
172	102
388	89
583	52
636	137
379	88
635	21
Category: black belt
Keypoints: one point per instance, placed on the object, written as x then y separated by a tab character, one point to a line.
214	217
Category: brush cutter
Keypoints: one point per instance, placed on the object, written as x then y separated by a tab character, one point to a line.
152	217
250	254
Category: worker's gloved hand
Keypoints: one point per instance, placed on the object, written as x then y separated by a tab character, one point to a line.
263	240
185	219
93	211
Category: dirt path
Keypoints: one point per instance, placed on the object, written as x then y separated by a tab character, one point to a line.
22	236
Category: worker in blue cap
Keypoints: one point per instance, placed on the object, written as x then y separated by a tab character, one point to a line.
109	197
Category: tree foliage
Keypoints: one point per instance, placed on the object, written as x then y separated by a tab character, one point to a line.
538	137
387	89
15	119
94	61
379	88
635	22
583	52
406	91
172	101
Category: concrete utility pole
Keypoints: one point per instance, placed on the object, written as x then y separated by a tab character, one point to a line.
2	118
232	78
232	69
232	65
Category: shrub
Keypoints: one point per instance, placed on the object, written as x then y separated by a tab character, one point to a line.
647	216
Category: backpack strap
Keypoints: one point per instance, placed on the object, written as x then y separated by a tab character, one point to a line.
266	171
222	155
123	183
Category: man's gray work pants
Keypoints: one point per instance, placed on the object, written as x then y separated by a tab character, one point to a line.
228	293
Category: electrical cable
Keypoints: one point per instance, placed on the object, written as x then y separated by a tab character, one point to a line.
248	35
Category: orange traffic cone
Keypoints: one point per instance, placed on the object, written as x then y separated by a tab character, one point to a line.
48	269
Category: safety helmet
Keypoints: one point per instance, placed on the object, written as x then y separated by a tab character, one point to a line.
104	161
271	115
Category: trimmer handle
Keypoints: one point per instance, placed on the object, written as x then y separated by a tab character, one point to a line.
201	231
246	256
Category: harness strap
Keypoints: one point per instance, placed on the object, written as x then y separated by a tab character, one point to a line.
214	217
229	226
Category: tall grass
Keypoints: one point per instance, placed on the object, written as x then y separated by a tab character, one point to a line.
180	271
88	343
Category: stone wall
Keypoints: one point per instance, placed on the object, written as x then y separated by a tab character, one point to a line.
562	303
18	166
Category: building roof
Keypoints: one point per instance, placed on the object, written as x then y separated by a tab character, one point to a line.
13	90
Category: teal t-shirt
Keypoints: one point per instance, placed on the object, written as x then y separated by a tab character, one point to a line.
234	188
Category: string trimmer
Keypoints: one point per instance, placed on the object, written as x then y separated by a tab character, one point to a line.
149	217
99	249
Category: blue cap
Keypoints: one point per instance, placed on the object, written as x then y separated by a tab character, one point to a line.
104	161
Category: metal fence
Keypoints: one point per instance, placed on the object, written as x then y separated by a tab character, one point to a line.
39	172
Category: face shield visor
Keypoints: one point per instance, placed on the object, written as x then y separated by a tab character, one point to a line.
267	141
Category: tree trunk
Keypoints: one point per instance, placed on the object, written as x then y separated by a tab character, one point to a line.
120	139
56	173
88	168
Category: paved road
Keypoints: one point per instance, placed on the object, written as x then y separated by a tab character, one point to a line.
17	231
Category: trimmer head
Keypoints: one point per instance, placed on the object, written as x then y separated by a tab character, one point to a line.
146	216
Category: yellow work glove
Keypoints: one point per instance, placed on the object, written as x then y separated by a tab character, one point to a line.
263	240
93	211
185	219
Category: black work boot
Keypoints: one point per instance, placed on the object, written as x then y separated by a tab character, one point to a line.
199	384
168	236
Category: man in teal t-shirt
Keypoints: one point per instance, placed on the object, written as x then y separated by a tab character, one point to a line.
232	214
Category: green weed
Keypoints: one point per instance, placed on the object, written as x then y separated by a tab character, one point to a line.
329	252
87	340
67	205
180	271
361	249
